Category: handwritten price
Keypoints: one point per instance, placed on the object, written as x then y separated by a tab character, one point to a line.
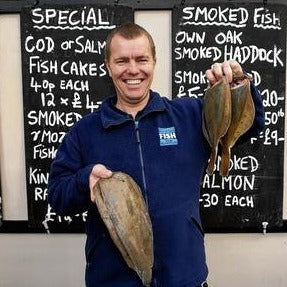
271	118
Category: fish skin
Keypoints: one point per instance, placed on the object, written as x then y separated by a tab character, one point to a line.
123	210
243	114
216	117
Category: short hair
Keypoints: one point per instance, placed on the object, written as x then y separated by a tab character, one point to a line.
128	31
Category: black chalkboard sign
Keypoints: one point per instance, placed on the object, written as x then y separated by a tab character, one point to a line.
64	78
255	36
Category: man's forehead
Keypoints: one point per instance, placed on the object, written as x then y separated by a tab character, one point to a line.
140	43
117	38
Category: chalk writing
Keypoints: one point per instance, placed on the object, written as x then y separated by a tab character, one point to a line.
242	54
202	16
87	18
79	68
237	182
37	176
53	217
83	45
264	19
228	200
52	118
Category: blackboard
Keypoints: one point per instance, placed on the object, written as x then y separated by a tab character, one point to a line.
64	78
255	36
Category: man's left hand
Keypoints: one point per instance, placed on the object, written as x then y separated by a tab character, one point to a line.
227	69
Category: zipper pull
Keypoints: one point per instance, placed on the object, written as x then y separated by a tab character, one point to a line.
136	125
137	131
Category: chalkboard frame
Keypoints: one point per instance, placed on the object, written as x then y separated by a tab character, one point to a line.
12	7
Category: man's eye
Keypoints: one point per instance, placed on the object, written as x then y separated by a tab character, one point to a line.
120	61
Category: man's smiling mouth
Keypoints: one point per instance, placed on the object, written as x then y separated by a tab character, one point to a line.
133	81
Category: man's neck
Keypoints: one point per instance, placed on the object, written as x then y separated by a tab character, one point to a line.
132	108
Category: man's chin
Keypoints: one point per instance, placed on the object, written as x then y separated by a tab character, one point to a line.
137	98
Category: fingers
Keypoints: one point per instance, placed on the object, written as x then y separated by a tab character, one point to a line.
210	76
236	68
101	171
98	171
215	73
227	69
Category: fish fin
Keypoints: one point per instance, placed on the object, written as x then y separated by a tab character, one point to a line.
225	159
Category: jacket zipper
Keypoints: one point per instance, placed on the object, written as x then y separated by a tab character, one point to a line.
155	282
141	160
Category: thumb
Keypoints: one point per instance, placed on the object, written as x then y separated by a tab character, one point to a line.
100	171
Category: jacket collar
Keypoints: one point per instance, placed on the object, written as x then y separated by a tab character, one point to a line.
111	116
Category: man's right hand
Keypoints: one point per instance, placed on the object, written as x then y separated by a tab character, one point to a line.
99	171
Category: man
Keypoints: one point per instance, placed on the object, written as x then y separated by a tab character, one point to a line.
129	133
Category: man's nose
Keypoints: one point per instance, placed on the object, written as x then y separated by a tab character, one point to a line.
132	67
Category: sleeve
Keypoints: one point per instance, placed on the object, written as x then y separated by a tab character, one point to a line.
68	184
259	120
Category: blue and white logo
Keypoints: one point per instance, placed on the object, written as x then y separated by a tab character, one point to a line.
167	136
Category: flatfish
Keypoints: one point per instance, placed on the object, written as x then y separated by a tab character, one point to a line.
216	117
242	117
124	212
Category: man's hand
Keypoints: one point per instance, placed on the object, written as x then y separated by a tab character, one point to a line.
99	171
228	69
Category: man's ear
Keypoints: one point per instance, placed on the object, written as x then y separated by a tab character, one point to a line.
108	67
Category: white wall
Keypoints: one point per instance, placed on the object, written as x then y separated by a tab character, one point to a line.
58	259
12	158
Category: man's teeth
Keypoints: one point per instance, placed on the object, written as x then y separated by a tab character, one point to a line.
133	82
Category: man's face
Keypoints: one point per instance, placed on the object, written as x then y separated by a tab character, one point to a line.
131	67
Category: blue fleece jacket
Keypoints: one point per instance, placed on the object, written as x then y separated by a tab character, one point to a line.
164	150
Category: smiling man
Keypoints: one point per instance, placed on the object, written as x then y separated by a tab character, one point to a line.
131	64
160	144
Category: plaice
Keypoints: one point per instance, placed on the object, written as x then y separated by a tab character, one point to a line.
242	117
216	117
123	210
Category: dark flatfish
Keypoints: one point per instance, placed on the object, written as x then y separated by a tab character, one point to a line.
216	117
242	117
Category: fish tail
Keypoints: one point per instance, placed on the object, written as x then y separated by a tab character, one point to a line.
211	163
146	277
224	164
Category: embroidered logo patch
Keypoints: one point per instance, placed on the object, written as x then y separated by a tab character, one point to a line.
167	136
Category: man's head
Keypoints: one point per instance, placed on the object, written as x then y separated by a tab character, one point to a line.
129	31
130	60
